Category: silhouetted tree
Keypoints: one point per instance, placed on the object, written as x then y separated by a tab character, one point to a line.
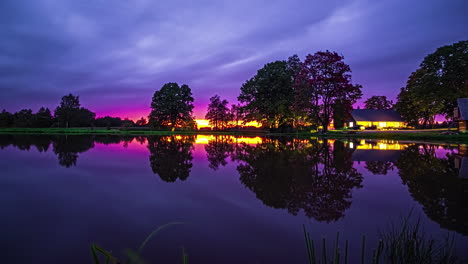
218	113
43	118
127	123
378	102
268	96
6	119
69	113
171	107
108	122
411	108
141	122
85	118
435	86
236	114
171	156
341	112
68	110
323	80
23	118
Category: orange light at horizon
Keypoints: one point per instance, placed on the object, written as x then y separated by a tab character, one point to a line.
203	123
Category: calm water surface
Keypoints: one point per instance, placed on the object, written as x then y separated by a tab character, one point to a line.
243	200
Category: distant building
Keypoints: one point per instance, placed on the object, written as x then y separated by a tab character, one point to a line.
461	114
376	118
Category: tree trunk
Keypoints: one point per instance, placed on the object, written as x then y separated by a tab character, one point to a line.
325	126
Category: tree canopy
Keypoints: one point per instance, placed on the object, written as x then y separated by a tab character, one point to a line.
172	107
218	113
268	96
323	81
378	102
434	87
70	113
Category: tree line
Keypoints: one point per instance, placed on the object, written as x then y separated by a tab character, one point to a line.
285	95
68	114
292	94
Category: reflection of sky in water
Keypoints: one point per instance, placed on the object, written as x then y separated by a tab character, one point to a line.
112	197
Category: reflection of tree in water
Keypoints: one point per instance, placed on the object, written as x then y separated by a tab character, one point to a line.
435	184
24	142
67	148
313	177
218	150
378	167
171	156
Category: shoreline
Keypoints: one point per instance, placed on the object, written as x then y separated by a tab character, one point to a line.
429	135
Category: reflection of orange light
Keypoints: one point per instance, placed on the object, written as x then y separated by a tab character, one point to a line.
246	140
382	145
202	123
205	139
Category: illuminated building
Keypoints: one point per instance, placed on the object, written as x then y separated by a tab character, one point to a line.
375	118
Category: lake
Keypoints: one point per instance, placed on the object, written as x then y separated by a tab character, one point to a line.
240	199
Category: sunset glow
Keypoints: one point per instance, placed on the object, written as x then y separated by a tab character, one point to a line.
203	123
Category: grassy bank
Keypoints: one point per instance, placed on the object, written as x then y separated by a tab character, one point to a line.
429	135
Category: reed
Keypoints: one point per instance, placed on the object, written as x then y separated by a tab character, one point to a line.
401	243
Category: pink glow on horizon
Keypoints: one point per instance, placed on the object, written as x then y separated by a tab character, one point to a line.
199	112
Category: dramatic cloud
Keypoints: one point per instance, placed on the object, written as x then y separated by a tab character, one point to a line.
115	54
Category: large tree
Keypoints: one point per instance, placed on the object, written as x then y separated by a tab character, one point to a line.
323	81
416	104
67	110
268	96
172	107
218	113
435	86
70	113
378	102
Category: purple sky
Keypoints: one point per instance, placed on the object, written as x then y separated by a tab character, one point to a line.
115	54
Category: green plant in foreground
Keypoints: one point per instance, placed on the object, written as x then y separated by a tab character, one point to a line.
403	243
133	257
